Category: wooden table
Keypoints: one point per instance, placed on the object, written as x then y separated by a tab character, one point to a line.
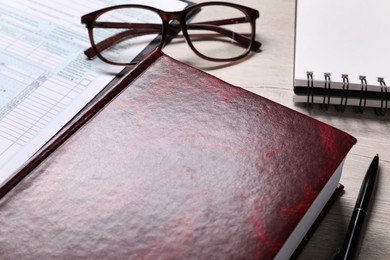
270	74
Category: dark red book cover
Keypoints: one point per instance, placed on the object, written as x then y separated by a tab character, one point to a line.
180	165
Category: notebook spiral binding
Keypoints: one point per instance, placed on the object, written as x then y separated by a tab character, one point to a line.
363	96
344	97
384	101
326	99
310	89
381	111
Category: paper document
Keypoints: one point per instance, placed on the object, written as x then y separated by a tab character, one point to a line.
45	79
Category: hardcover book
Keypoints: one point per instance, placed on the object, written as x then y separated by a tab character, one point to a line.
179	165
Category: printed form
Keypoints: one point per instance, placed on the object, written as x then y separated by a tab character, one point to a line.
45	79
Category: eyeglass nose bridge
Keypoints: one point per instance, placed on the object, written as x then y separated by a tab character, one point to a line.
173	22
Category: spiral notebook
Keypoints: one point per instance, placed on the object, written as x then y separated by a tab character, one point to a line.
342	53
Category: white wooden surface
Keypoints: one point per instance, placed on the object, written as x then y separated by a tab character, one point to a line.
270	74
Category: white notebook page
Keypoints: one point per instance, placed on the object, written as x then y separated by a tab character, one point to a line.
343	37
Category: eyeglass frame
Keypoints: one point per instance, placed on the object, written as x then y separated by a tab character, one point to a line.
90	20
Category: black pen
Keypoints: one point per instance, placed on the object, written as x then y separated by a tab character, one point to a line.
359	213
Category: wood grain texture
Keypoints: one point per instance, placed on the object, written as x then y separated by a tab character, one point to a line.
270	74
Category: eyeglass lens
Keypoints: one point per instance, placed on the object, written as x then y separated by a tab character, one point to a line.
213	30
120	34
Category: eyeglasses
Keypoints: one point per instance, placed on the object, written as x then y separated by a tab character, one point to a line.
118	33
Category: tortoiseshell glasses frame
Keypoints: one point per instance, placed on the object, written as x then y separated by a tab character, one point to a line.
169	24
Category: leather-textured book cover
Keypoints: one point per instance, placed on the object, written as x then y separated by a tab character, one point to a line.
179	165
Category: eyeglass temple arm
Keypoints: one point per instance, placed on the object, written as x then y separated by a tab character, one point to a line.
156	28
240	38
110	41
